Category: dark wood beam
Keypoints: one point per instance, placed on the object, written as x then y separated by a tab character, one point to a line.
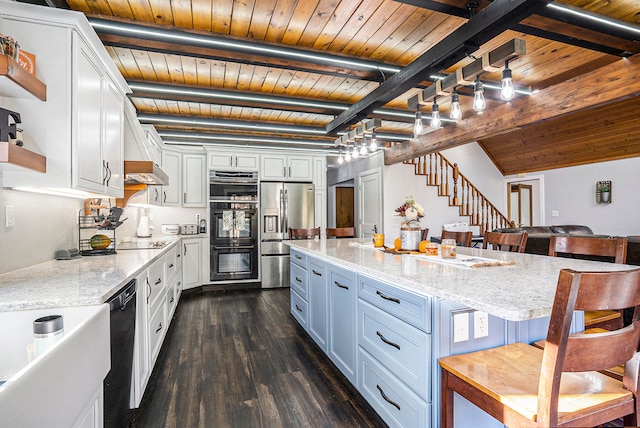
610	83
227	48
487	24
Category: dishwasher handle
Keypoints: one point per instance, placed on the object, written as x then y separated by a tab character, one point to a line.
122	297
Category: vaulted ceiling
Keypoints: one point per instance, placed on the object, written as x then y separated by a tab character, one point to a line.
299	73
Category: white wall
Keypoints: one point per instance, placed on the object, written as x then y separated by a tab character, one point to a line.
43	225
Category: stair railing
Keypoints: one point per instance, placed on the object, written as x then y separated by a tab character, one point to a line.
466	196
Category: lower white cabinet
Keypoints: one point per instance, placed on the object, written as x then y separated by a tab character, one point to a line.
141	363
317	297
192	262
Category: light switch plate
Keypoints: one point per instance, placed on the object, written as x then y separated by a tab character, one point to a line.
10	217
460	327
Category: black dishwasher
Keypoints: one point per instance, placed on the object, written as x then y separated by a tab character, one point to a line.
117	384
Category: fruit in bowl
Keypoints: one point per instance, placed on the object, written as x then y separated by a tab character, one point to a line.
100	242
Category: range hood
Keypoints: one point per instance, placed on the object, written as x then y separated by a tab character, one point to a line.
145	172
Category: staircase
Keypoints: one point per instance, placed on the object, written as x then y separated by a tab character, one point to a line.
472	203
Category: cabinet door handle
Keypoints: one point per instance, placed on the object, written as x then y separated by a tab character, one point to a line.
165	197
391	299
298	279
284	171
108	174
184	198
158	281
171	265
316	273
150	290
384	339
298	257
185	249
104	166
171	301
159	327
298	308
387	399
340	285
289	171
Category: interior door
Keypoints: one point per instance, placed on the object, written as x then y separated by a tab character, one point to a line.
344	206
369	203
521	204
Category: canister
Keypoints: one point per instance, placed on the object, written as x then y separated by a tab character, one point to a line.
46	332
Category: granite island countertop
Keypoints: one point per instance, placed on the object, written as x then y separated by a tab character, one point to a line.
88	280
520	291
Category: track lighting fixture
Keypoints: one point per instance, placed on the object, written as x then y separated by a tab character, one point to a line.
456	113
479	104
508	91
418	128
435	122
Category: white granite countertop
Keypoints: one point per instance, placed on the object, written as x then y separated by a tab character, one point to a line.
517	292
89	280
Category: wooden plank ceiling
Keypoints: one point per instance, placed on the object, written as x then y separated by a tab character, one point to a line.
285	73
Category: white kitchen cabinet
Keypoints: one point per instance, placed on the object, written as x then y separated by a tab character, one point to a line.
191	262
172	166
321	210
317	298
320	172
141	362
343	342
281	167
232	161
153	144
194	181
79	128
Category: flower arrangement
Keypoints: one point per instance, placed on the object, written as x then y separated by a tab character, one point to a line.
411	210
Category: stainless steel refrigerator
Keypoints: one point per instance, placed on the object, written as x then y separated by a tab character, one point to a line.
282	205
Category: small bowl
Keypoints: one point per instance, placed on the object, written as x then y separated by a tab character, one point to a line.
170	229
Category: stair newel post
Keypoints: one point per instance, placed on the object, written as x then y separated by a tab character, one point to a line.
455	185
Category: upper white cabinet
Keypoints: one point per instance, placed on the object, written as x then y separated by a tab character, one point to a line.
79	128
172	166
281	167
320	172
232	161
194	180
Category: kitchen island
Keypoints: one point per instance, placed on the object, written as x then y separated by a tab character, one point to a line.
385	319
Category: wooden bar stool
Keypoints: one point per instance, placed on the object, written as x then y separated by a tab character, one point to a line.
520	385
513	242
614	248
463	239
341	232
304	233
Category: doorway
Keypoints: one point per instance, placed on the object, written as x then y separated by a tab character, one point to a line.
525	200
344	206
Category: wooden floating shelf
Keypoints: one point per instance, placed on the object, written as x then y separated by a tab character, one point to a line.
10	69
15	155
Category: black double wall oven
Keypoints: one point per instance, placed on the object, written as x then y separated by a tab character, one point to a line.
233	201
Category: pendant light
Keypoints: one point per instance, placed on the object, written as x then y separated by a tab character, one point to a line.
456	113
435	122
363	148
355	153
417	126
479	104
373	145
347	154
340	156
508	91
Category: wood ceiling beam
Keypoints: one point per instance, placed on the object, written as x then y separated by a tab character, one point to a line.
484	26
611	83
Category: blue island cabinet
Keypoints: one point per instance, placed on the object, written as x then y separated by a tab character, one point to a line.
386	340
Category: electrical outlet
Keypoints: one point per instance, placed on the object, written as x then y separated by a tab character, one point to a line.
460	327
554	213
480	324
10	217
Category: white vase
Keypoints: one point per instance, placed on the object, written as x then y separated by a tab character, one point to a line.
410	235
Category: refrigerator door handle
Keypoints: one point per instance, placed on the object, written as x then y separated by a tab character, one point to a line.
282	230
286	212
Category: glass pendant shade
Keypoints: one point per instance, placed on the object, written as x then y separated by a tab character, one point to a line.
347	155
417	126
456	113
479	104
355	153
363	148
373	145
435	122
508	91
340	157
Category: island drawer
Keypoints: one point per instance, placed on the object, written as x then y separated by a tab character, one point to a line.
298	280
172	261
409	307
402	349
298	258
157	279
299	309
396	404
157	328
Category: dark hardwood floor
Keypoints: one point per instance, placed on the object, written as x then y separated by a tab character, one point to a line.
238	359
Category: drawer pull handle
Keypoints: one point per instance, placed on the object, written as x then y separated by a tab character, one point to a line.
148	294
158	281
159	328
299	280
384	339
171	265
392	299
387	399
316	273
298	257
171	301
340	285
298	308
